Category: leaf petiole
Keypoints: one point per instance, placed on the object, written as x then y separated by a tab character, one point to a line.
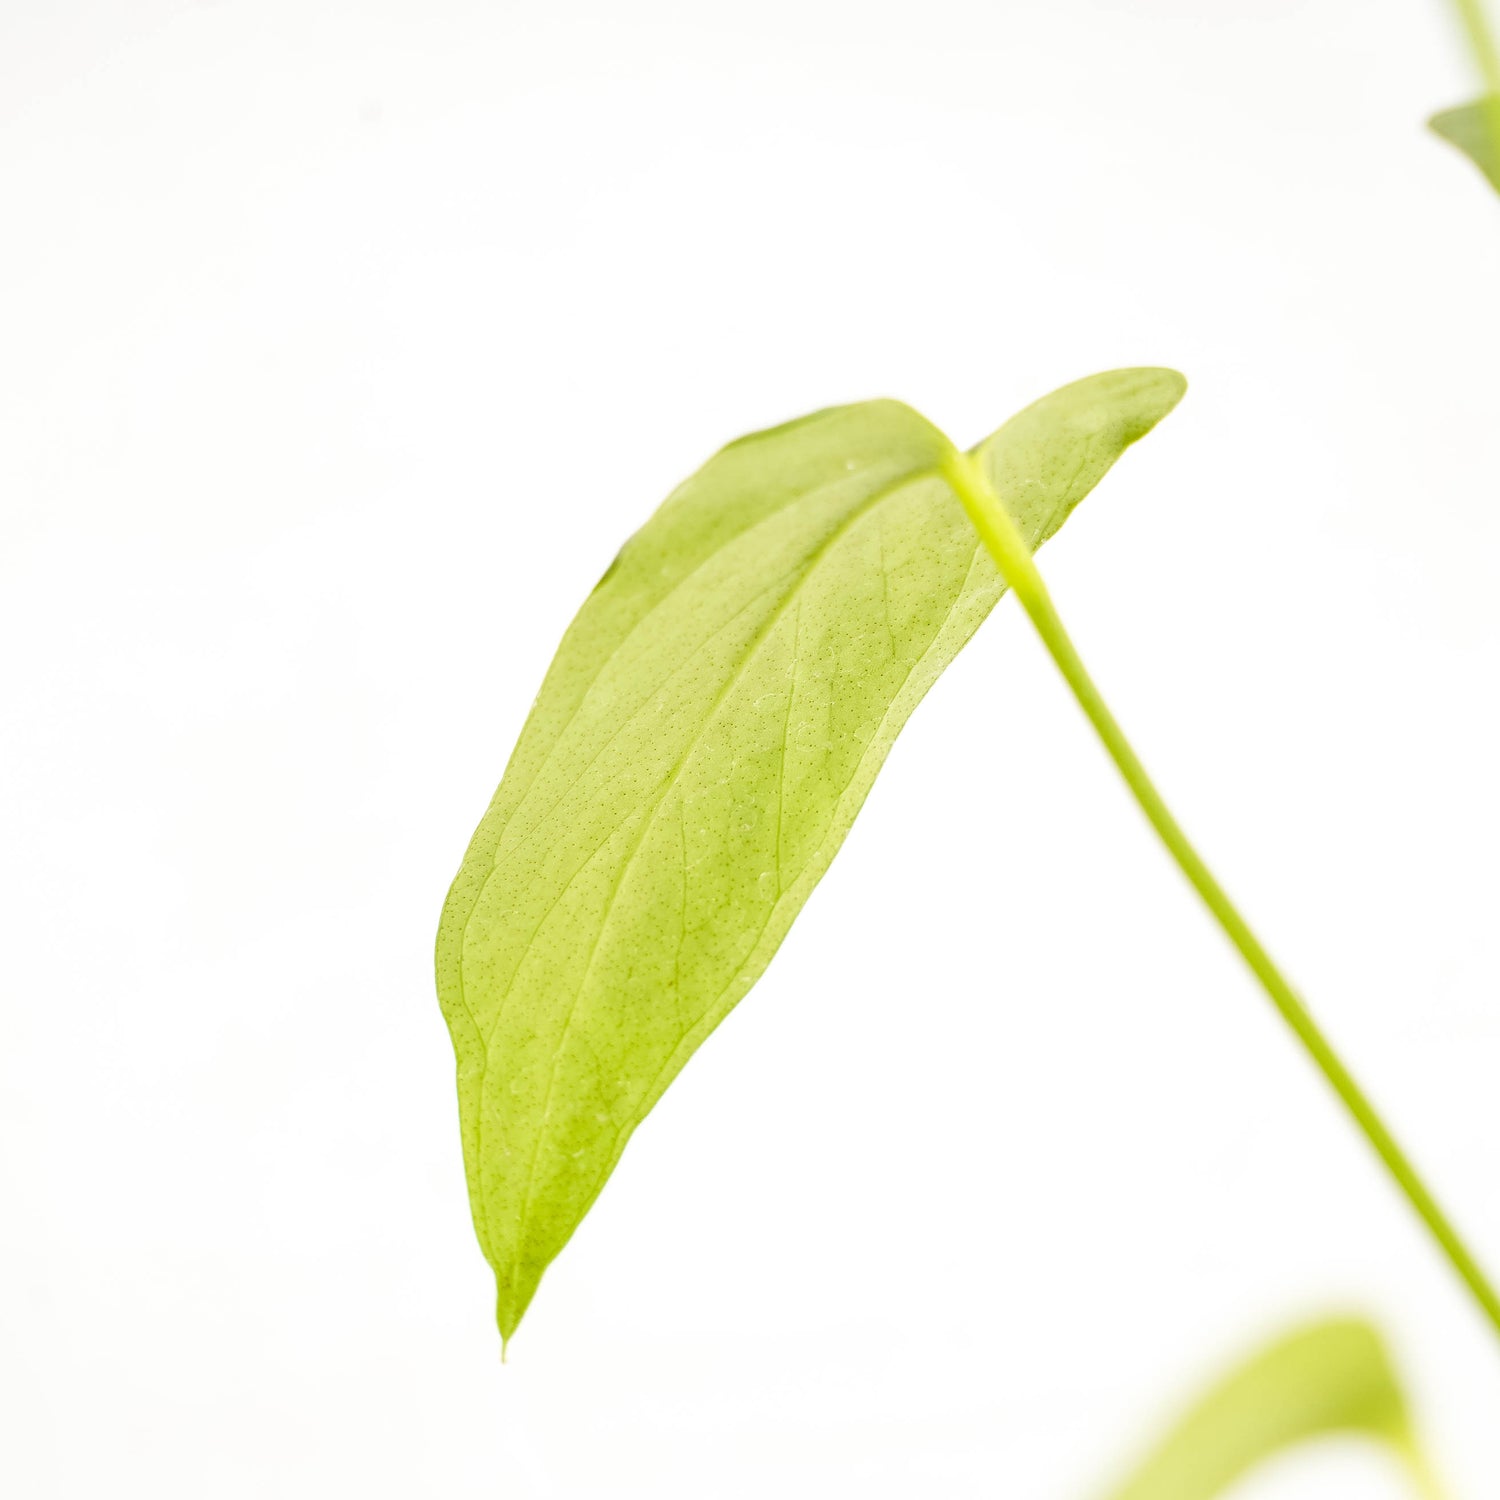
1012	557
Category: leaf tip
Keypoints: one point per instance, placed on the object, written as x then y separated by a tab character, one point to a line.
1473	129
508	1319
1131	401
1176	380
513	1294
1158	387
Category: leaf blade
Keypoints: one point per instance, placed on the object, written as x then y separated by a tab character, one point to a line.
1331	1378
707	732
1475	130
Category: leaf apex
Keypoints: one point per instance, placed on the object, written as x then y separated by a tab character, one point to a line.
511	1302
1472	129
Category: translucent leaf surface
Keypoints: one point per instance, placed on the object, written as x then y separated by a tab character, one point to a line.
711	723
1470	127
1329	1379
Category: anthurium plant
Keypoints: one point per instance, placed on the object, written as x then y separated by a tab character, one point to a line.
705	737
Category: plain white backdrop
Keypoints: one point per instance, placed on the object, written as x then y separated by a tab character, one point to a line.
341	344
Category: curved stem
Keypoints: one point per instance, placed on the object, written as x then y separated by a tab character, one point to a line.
1482	44
1423	1476
1017	568
1481	41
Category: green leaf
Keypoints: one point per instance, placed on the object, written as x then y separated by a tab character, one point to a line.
1475	130
1328	1379
706	734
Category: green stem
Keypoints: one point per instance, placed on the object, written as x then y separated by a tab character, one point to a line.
1423	1476
1020	572
1482	44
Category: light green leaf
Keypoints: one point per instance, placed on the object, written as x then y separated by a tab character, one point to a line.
1475	130
1328	1379
706	734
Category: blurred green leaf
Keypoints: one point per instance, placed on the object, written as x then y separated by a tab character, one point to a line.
1328	1379
707	732
1475	130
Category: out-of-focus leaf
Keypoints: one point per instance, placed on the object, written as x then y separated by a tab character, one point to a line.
1328	1379
706	734
1473	129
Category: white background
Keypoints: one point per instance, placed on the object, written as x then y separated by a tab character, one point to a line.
341	344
